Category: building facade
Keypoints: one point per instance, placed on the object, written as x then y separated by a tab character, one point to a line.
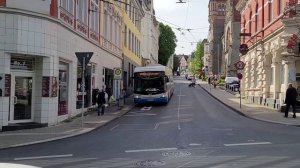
150	34
40	72
206	57
132	37
216	28
231	38
270	65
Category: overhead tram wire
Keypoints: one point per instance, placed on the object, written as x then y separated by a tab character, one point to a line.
177	27
150	18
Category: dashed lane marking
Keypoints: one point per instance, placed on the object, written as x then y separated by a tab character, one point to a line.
43	157
150	150
250	143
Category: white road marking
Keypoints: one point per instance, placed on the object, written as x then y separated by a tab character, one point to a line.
150	150
44	157
146	108
250	143
156	126
114	127
194	144
178	110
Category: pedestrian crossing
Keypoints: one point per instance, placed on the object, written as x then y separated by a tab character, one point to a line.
183	162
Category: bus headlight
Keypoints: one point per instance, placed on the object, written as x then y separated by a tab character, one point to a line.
136	97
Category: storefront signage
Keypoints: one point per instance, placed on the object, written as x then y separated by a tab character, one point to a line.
45	86
7	85
21	63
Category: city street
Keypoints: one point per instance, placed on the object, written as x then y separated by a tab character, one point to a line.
193	130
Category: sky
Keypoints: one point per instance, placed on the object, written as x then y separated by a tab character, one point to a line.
191	15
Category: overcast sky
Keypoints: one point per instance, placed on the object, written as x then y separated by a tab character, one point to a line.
191	15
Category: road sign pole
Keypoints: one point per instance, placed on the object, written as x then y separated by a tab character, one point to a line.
240	94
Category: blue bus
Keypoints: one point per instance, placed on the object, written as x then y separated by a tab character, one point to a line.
153	84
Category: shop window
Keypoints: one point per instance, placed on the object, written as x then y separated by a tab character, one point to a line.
63	89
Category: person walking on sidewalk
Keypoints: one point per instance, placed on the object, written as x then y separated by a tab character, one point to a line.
290	100
101	102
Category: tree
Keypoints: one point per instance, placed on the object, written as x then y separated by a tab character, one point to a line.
176	63
197	59
167	43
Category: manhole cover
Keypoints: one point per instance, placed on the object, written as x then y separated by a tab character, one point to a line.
176	154
150	163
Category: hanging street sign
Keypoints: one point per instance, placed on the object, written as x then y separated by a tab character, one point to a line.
239	65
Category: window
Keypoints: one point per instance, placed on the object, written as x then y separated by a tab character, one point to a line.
282	73
82	11
67	5
250	22
116	33
280	7
256	18
270	11
105	24
263	14
132	41
95	16
272	76
111	29
125	36
129	40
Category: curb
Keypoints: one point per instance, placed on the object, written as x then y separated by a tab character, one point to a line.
243	114
123	112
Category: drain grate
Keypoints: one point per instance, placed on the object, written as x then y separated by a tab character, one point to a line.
150	163
176	154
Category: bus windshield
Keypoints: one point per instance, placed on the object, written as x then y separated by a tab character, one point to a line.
149	83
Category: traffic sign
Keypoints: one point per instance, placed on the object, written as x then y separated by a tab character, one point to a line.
239	76
117	73
244	49
86	56
239	65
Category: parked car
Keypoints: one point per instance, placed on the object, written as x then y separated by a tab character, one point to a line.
232	83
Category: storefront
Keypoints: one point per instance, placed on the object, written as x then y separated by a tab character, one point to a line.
21	94
63	88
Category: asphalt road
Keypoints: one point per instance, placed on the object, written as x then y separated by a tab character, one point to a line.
193	130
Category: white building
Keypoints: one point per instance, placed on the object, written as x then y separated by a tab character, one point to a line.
38	41
150	34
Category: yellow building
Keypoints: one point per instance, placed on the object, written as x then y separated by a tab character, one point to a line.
132	21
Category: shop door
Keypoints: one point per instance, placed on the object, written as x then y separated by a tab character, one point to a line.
21	104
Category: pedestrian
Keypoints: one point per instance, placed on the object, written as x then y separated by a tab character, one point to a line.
109	93
290	100
101	102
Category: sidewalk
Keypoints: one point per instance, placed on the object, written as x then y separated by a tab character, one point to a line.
247	109
65	129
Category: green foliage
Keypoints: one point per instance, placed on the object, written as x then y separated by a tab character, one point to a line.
167	43
196	59
176	63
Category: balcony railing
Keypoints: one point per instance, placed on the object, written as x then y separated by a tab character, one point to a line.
94	35
66	16
82	27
